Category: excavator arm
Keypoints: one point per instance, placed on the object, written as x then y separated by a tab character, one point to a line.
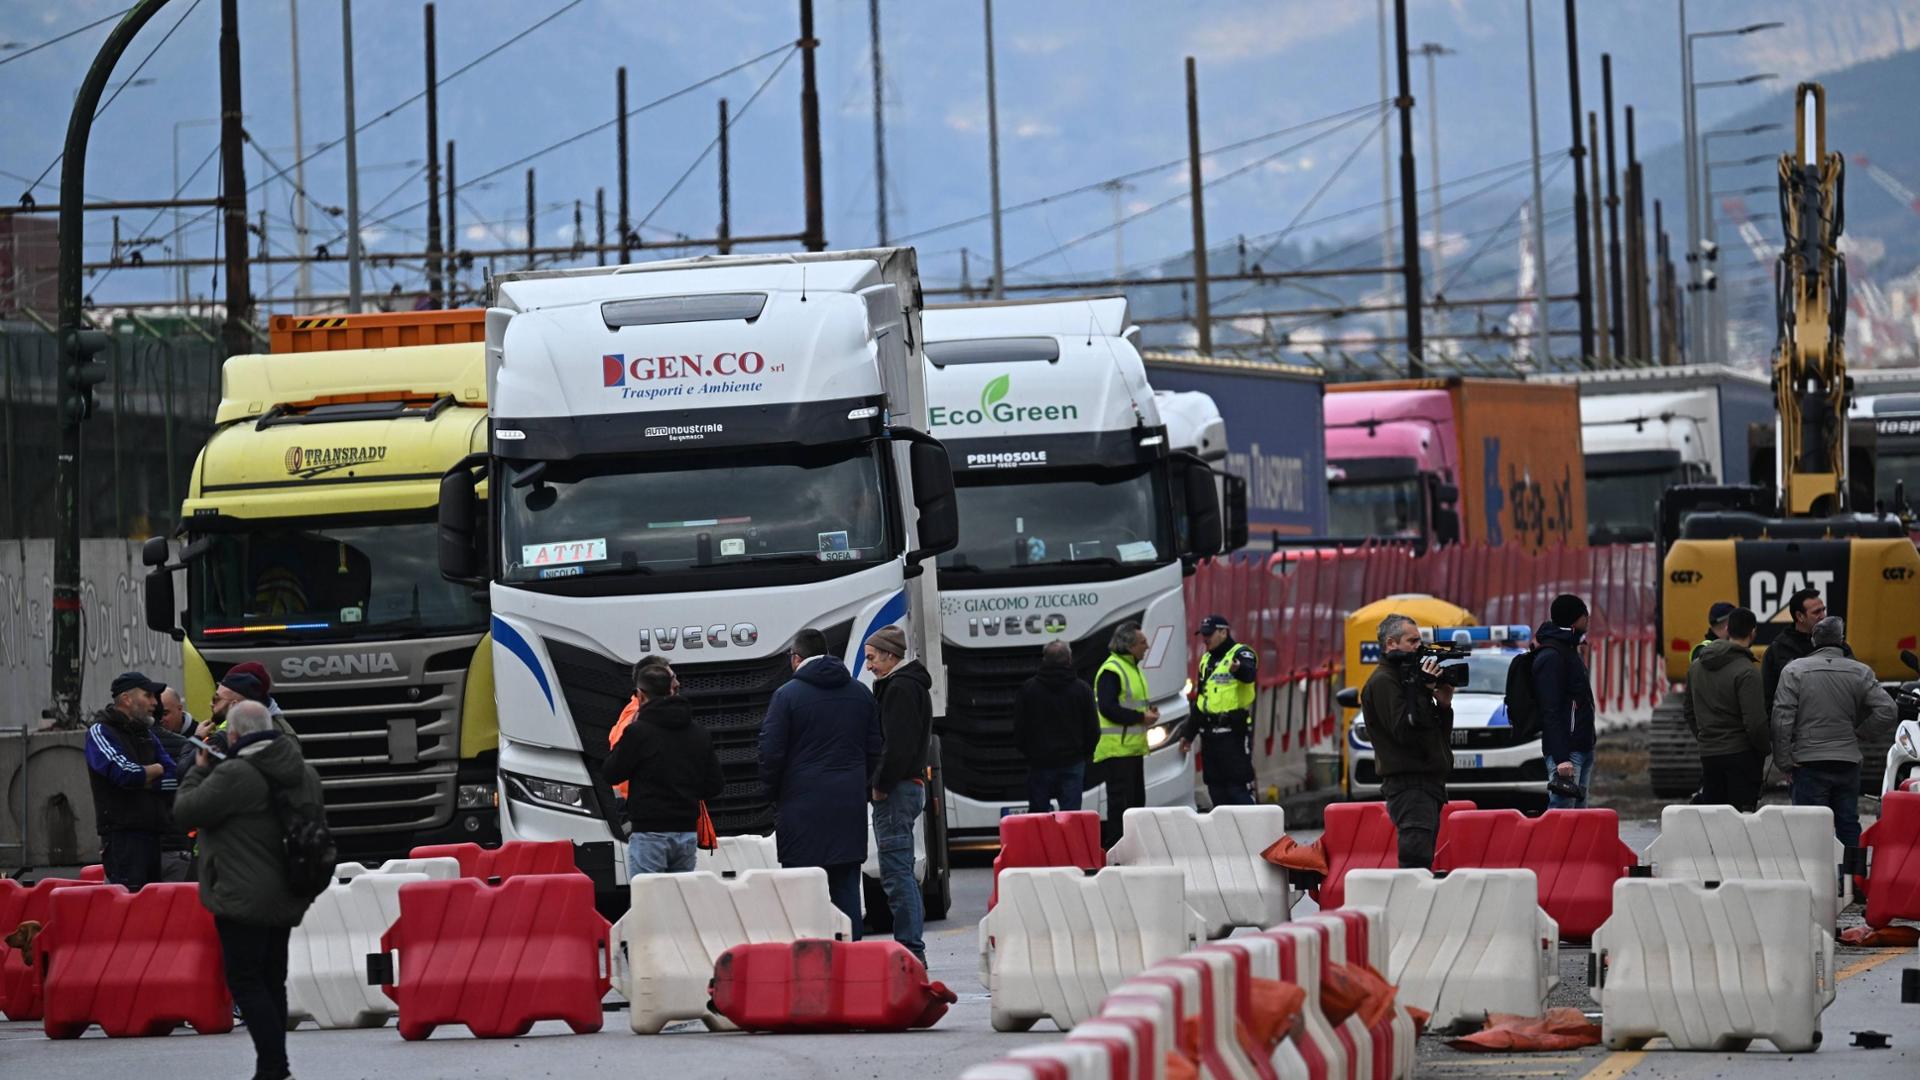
1810	368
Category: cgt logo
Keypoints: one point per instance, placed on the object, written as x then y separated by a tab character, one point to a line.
1686	577
616	369
1897	573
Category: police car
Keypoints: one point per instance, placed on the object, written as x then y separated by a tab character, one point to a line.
1488	756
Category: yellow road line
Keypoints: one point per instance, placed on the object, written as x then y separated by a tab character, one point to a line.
1621	1062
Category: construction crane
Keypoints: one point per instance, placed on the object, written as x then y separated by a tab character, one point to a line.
1890	182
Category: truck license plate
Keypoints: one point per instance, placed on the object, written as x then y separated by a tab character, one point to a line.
1466	761
1009	811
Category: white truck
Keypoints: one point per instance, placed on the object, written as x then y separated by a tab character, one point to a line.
1643	430
1891	399
1076	515
698	459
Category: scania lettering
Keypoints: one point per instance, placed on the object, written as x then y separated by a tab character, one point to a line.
748	460
308	547
1076	515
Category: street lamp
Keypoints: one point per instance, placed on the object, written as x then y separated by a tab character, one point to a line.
1741	193
1698	329
1742	163
1744	80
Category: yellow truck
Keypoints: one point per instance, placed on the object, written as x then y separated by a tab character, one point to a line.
308	545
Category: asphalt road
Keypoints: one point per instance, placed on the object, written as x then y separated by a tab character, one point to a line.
1869	998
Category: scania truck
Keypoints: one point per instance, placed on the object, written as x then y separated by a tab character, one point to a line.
1075	516
697	459
307	546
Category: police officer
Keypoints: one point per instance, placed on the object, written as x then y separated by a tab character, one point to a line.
1717	617
1126	712
1222	717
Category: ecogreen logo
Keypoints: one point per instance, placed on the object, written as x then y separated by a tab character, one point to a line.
995	407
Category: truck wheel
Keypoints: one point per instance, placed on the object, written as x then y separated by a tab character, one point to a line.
1673	763
936	892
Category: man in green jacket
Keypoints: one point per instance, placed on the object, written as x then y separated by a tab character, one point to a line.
243	867
1727	713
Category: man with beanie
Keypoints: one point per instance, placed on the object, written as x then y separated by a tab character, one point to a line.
904	690
1827	703
238	686
1222	717
670	761
126	765
1722	705
1717	616
1565	693
1056	726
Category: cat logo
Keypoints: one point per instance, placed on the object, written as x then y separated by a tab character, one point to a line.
293	459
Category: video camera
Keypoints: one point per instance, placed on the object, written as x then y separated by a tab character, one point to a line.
1445	653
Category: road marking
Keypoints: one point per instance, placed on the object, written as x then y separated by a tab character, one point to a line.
1621	1062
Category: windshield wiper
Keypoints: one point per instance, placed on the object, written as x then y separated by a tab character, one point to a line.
1091	560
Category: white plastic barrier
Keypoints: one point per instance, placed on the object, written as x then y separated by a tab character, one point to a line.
1713	969
1258	957
1156	1012
1316	1040
1228	882
1778	843
327	952
1146	1057
679	924
1467	944
1209	980
1402	1033
1060	941
444	868
738	854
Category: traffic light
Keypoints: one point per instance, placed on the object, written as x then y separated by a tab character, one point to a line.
81	373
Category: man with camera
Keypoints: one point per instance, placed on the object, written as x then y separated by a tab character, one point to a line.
1408	707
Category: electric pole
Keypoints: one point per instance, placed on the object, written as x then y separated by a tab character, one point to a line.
620	110
816	230
1432	51
353	162
303	281
1409	201
1202	301
993	161
1582	253
237	334
434	284
879	127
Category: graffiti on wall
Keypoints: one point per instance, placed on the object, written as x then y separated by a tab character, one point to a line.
113	622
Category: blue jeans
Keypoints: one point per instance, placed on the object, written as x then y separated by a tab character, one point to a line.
1831	784
893	820
1582	774
1230	794
661	853
1062	782
843	888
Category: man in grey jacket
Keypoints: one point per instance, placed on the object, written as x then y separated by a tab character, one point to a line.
1826	703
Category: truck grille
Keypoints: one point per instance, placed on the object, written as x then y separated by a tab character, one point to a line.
977	749
729	700
386	755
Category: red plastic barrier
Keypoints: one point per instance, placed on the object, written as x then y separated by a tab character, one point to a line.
1893	872
1360	836
498	958
1127	1065
20	983
1320	1057
96	872
826	986
509	860
1576	855
1197	1040
1068	838
1910	785
135	963
1243	1003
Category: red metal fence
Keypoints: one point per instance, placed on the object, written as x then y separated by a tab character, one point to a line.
1293	606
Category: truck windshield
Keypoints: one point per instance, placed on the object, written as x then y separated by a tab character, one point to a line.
1380	508
1056	517
1624	507
1891	465
316	582
591	516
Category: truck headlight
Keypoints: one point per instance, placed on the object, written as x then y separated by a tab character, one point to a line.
1157	736
1359	730
476	797
552	794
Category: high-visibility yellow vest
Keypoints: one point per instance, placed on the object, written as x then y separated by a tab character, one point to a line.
1220	692
1116	739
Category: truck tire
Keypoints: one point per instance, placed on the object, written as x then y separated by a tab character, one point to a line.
1673	760
936	892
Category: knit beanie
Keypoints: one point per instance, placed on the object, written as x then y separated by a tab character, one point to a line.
1567	609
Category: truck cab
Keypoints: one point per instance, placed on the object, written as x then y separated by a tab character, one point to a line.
695	459
1392	467
306	545
1076	515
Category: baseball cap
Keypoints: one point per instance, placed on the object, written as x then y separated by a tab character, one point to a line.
135	680
246	686
1211	623
1719	612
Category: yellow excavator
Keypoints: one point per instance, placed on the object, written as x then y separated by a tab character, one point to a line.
1756	545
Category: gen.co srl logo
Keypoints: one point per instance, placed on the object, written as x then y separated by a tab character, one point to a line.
618	370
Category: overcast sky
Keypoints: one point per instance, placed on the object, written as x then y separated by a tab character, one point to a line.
1087	90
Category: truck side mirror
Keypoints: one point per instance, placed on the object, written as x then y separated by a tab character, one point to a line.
154	552
1446	513
163	613
933	496
1347	697
460	557
1205	529
1912	661
1235	489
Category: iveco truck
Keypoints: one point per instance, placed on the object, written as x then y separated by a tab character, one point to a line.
697	459
1075	516
308	539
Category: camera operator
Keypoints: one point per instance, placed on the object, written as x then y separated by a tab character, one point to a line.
1408	709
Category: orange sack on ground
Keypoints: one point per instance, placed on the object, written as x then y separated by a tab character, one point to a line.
1289	854
1903	937
1560	1029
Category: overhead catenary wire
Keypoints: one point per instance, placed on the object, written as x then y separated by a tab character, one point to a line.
31	49
732	120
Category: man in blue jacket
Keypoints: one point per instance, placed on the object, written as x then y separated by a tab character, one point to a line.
1565	694
127	767
818	748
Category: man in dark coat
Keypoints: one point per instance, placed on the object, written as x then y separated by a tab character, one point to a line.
1409	716
904	689
127	766
819	749
1565	692
669	761
1791	643
1055	725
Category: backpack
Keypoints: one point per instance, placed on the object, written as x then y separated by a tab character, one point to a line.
1523	703
311	853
